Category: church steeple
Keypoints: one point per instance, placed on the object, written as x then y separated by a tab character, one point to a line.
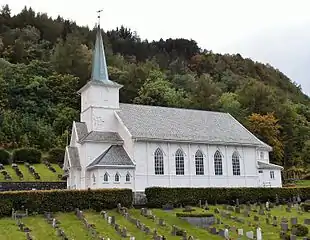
99	65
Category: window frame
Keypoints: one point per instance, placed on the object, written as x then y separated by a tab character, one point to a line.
235	160
159	162
218	163
199	163
272	175
126	178
106	177
118	177
179	163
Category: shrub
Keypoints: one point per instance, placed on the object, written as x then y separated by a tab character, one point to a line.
56	155
306	207
29	155
306	177
64	200
4	156
187	214
157	196
301	230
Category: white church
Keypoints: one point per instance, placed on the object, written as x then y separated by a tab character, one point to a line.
132	146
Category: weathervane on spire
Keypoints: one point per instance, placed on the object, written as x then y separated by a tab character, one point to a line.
99	11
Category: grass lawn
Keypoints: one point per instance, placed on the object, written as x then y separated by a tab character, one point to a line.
72	226
40	229
303	183
9	230
45	173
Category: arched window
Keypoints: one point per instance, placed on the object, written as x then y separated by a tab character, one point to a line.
127	177
179	162
235	164
116	177
218	168
159	162
94	178
199	163
106	177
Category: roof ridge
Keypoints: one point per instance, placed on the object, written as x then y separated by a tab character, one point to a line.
177	108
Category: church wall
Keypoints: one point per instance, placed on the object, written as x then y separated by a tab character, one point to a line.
99	96
93	150
99	175
145	171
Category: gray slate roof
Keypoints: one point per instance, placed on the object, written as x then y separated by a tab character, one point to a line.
113	156
188	125
81	129
265	165
74	156
96	136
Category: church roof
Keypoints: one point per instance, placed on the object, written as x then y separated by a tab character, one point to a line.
265	165
114	156
96	136
185	125
74	158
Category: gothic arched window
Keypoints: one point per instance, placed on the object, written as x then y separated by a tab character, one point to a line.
106	177
159	162
179	162
218	168
116	177
94	178
127	177
199	163
235	164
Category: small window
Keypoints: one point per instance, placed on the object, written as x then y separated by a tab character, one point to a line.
94	178
261	155
260	171
272	174
128	177
106	177
116	177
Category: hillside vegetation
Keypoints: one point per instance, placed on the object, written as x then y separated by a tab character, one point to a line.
44	61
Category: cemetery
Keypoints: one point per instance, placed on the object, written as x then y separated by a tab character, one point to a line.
110	214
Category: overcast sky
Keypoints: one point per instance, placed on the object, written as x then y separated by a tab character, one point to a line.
269	31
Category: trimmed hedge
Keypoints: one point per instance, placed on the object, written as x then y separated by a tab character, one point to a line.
186	214
4	156
30	155
157	196
56	155
64	200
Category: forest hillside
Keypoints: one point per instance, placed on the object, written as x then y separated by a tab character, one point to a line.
44	61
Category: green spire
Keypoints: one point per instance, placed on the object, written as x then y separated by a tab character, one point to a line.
99	65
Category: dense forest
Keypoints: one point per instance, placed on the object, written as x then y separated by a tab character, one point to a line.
44	61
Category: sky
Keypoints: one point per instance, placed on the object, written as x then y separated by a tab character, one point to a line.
269	31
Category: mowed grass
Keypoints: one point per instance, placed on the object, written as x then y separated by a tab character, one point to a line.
45	174
74	228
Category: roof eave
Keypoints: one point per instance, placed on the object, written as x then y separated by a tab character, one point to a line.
200	141
109	166
99	83
102	141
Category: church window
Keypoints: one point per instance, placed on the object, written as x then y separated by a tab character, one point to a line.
159	162
179	162
261	155
218	168
106	177
235	164
272	174
127	177
116	177
199	163
94	178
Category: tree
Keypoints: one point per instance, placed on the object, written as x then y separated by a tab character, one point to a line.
228	102
267	129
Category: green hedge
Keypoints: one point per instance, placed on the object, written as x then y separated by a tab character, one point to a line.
157	196
30	155
4	156
56	155
63	200
187	214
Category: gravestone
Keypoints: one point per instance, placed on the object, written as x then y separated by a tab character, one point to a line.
250	235
216	210
112	220
174	230
124	232
109	220
259	234
161	222
284	227
246	213
261	211
294	221
267	221
213	230
288	209
237	210
240	231
221	233
293	237
226	233
307	221
237	202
